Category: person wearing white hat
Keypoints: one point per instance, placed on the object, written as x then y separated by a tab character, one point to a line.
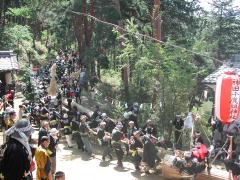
67	129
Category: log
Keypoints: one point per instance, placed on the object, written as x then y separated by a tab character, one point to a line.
173	173
170	172
215	174
79	107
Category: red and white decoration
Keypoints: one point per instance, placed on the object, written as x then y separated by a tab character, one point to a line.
227	98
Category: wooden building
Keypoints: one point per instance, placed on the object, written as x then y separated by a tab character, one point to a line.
8	65
232	64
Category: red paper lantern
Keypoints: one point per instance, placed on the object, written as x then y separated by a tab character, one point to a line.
227	100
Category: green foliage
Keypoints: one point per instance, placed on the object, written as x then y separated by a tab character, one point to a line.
225	33
23	11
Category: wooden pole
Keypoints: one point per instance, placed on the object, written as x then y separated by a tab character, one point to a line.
230	154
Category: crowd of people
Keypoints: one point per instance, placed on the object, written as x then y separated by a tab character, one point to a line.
122	137
55	121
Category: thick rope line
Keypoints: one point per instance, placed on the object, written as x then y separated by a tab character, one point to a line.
143	35
219	152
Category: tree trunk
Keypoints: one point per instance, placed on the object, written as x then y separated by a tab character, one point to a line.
78	31
4	13
156	30
92	20
156	20
85	19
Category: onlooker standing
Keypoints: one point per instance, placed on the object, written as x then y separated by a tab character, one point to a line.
78	94
43	131
178	124
11	119
17	156
52	147
43	160
21	111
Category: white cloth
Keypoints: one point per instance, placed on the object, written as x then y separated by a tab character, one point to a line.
188	123
69	140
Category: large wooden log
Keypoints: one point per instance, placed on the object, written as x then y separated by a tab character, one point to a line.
215	174
79	107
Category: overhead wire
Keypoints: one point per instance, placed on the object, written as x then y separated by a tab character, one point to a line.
143	35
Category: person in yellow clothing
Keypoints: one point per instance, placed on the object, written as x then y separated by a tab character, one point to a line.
11	120
43	162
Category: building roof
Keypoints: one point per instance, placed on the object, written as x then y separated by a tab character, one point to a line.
230	65
8	61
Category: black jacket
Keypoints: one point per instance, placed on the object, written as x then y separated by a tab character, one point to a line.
15	161
42	132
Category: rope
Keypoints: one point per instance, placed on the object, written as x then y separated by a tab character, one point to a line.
218	153
205	133
178	137
143	35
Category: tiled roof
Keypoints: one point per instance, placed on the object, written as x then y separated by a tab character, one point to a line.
8	61
232	65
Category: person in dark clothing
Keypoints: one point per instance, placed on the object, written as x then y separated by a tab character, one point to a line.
105	140
150	152
232	165
84	132
133	117
197	138
43	131
17	155
97	113
69	100
150	128
78	91
76	133
66	123
178	124
136	146
117	139
52	147
110	125
96	118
